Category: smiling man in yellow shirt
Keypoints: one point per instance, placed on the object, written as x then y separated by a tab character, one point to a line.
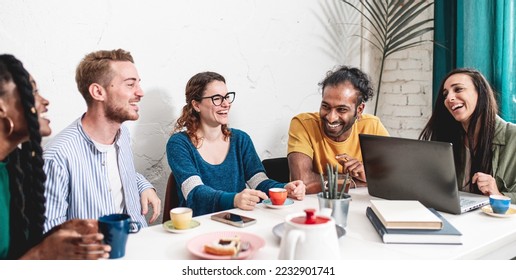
331	136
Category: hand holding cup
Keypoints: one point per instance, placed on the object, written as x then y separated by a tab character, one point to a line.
116	229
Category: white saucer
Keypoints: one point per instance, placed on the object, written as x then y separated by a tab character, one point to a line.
509	214
288	202
168	226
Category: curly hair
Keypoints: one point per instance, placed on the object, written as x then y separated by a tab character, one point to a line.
95	68
25	168
443	127
355	76
190	119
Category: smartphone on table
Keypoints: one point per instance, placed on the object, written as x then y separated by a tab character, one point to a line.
233	219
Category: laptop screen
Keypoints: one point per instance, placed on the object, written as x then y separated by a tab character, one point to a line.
408	169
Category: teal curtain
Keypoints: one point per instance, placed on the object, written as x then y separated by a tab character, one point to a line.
479	34
445	28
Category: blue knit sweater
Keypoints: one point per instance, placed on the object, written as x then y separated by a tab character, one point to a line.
210	188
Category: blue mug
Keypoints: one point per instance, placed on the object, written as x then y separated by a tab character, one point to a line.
116	229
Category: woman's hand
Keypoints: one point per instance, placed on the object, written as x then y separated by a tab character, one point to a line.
75	239
248	198
486	183
296	189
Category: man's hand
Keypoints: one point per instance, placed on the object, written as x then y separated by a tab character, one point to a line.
149	196
353	166
296	189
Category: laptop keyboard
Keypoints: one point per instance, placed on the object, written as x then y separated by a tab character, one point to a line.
467	202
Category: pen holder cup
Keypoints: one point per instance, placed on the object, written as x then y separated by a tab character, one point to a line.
339	207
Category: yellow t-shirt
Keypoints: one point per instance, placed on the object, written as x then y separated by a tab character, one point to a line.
306	136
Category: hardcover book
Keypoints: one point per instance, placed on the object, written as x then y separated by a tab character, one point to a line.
447	235
405	214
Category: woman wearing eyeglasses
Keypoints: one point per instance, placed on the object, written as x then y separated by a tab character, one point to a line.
216	167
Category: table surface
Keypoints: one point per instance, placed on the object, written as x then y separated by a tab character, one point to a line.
484	236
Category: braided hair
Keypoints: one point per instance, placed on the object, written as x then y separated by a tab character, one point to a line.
25	167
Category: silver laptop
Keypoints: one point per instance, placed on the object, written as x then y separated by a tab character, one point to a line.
408	169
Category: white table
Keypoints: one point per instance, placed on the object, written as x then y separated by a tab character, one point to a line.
484	237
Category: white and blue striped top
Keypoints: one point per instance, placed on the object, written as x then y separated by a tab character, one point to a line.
77	183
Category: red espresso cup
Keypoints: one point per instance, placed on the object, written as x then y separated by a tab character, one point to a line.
278	196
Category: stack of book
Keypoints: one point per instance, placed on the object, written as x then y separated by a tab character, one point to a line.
409	221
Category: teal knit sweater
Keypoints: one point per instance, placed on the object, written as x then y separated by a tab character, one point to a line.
218	184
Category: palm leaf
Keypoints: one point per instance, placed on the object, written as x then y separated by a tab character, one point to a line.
364	16
406	18
411	45
407	37
379	21
401	9
393	26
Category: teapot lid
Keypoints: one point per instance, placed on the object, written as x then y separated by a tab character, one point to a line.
310	218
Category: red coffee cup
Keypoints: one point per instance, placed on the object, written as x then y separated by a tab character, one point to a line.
278	196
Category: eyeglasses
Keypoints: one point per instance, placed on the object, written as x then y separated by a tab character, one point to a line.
217	99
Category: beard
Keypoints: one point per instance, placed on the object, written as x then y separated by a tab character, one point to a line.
336	134
120	114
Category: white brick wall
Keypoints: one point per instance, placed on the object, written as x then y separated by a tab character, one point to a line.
406	108
405	103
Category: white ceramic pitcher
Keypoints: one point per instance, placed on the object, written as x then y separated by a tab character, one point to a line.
309	236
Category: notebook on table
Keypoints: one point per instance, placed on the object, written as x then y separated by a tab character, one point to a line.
408	169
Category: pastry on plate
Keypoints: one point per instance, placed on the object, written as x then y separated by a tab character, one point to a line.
224	246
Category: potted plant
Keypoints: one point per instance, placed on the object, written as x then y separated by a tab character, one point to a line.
393	27
330	196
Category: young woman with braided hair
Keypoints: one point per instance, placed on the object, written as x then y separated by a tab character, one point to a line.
22	201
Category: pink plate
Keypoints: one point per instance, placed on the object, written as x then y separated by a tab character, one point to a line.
196	244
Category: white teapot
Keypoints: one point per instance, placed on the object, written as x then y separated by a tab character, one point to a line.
308	237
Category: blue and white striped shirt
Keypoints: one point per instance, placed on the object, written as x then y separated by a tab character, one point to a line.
77	183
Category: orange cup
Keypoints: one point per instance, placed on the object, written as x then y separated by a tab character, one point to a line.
278	196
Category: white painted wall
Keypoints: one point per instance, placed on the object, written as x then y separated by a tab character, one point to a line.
272	53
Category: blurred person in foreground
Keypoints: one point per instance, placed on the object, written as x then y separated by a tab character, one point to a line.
22	203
